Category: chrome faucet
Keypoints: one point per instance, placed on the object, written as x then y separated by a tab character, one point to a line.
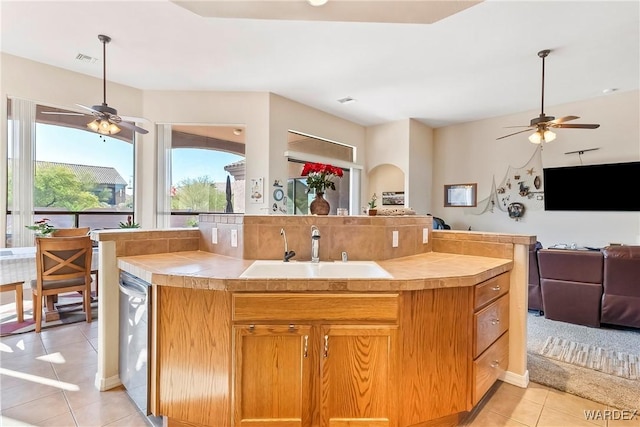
287	253
315	244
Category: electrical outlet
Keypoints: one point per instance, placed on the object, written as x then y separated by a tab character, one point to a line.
394	239
234	238
425	235
214	236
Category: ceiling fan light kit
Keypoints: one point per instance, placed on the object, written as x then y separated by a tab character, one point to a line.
542	124
541	136
107	121
103	127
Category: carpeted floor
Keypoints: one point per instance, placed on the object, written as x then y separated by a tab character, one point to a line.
593	384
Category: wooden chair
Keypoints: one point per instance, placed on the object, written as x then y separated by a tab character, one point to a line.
17	287
71	232
63	264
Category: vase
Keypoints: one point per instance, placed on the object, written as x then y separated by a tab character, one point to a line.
373	212
319	205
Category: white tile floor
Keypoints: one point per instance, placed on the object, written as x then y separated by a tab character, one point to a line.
47	380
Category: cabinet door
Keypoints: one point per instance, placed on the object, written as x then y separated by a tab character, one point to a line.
357	369
272	376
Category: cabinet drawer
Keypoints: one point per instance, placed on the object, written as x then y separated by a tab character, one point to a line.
491	289
251	307
489	323
489	366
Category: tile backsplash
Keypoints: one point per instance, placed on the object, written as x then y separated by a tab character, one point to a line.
362	237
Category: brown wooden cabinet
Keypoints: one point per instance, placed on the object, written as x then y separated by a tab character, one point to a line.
272	375
357	370
303	375
328	359
490	334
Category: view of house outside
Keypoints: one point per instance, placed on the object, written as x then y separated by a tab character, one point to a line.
86	179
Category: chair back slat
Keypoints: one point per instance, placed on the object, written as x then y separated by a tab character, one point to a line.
63	258
71	232
63	265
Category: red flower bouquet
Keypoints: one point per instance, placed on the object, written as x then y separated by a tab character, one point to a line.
320	176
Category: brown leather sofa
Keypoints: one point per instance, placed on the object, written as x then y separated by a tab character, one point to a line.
621	286
571	285
535	295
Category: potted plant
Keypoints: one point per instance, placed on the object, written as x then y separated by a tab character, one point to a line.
130	223
319	178
372	205
42	228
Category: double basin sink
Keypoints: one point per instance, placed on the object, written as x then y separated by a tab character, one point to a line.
272	269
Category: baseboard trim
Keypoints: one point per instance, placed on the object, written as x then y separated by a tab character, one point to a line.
104	384
516	379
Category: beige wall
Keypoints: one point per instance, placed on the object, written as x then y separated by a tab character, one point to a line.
470	153
455	154
407	144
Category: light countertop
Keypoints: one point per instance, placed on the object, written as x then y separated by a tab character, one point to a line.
205	270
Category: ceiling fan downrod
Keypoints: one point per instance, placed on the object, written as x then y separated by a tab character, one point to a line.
104	108
542	118
104	40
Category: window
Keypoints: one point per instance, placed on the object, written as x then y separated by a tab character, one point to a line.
304	148
207	172
66	173
298	198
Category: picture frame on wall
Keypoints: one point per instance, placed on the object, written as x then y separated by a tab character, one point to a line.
393	198
460	195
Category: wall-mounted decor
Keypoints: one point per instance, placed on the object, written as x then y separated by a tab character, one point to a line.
516	210
460	195
279	197
395	198
523	185
257	190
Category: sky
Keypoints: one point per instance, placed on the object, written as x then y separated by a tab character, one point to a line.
60	144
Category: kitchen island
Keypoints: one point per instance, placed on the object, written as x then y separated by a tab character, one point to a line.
420	347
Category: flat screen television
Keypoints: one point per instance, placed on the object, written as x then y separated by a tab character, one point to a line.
605	187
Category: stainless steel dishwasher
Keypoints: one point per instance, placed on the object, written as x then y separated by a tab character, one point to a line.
135	312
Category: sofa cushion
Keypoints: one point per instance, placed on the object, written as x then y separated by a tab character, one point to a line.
571	265
621	286
572	302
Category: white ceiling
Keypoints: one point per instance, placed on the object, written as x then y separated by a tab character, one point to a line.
480	62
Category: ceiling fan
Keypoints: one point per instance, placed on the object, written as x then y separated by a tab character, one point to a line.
107	121
543	123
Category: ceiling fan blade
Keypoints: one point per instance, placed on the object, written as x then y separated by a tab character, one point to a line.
577	126
132	127
134	119
63	113
511	134
89	108
564	119
509	127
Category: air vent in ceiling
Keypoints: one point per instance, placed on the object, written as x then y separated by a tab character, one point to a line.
346	100
86	58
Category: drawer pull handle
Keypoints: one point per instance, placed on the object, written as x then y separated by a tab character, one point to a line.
252	328
292	327
495	321
326	346
496	288
306	346
495	364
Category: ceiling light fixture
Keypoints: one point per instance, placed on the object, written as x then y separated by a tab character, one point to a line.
317	3
103	127
101	124
542	135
